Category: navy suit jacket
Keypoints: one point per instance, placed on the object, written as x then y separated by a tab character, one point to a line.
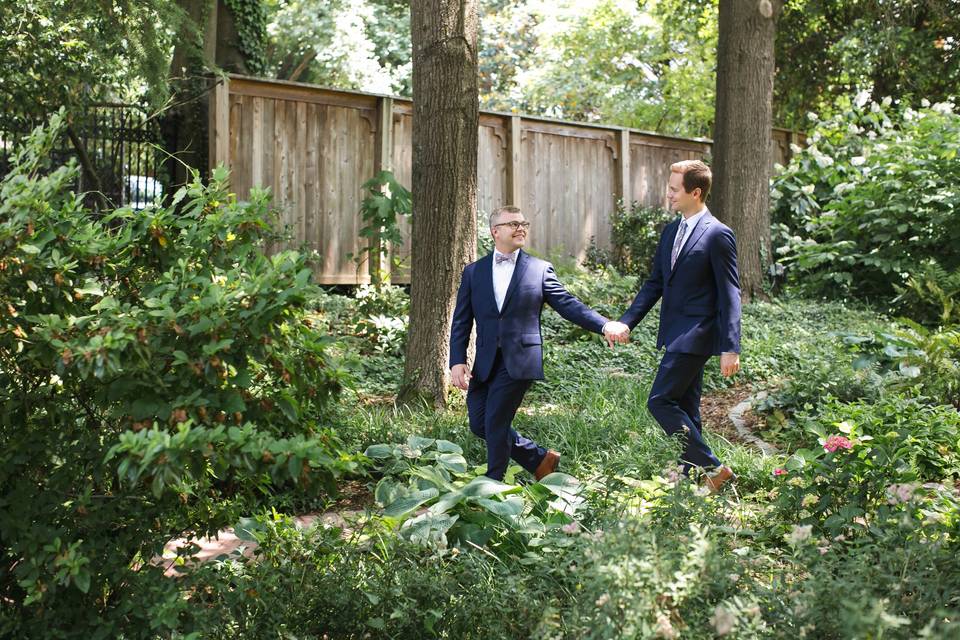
516	327
700	311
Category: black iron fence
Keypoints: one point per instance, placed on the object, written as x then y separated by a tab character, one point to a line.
118	149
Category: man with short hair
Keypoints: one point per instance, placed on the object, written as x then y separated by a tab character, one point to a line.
504	293
695	277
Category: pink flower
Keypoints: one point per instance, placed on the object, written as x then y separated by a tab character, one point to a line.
780	472
834	443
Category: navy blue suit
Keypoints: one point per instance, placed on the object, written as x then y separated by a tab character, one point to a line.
699	318
509	354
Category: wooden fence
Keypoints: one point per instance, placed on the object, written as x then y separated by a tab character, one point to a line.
315	147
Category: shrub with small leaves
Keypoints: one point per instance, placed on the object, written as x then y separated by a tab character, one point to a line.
158	377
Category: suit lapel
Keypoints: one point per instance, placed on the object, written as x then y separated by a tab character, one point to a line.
514	280
695	236
485	274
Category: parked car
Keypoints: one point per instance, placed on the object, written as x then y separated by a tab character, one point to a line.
142	191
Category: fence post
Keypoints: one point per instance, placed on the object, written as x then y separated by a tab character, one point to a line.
514	163
219	138
380	261
624	191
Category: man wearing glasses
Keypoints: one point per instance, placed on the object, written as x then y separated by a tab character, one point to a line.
504	293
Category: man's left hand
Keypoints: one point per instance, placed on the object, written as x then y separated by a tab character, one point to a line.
729	364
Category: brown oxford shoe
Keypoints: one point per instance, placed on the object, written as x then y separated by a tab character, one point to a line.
548	465
718	479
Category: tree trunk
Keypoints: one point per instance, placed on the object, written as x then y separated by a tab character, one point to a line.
742	132
184	125
445	121
207	40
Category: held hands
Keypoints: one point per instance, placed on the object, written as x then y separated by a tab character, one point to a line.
729	364
616	332
460	376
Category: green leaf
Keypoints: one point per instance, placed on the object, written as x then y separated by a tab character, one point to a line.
407	504
482	486
512	506
82	580
379	451
289	407
445	446
453	461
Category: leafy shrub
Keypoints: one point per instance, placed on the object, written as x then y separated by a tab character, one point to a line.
322	581
868	202
809	383
864	449
158	378
932	294
441	503
918	360
636	232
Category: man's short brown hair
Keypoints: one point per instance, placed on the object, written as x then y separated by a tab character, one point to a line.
696	175
495	216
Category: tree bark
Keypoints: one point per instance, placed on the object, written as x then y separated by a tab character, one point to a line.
445	122
743	131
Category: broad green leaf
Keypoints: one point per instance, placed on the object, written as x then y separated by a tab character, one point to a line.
407	504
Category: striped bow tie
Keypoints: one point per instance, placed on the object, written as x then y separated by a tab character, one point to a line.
510	258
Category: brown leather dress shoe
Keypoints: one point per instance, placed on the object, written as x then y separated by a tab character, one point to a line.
548	465
720	478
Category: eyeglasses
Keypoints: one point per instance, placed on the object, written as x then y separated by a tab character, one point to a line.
515	225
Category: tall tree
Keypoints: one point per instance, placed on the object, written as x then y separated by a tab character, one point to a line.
229	35
742	132
445	121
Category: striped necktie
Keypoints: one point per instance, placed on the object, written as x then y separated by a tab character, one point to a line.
677	243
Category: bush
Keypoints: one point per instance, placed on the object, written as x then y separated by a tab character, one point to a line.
863	450
158	378
917	360
867	203
636	233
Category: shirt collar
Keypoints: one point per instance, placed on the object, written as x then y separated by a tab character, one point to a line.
691	222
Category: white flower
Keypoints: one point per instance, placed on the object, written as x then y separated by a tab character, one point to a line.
799	535
807	189
853	129
812	116
823	161
857	160
924	103
722	620
602	600
944	108
861	98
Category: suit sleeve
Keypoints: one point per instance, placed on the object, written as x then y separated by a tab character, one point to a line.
650	292
568	306
723	258
462	323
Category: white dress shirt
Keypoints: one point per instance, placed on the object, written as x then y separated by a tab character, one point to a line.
502	274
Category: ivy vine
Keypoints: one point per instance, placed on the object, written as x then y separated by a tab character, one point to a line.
250	19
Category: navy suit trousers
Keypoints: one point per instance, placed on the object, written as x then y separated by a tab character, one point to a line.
491	405
674	403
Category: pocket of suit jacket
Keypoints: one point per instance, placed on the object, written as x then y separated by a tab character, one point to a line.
530	339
